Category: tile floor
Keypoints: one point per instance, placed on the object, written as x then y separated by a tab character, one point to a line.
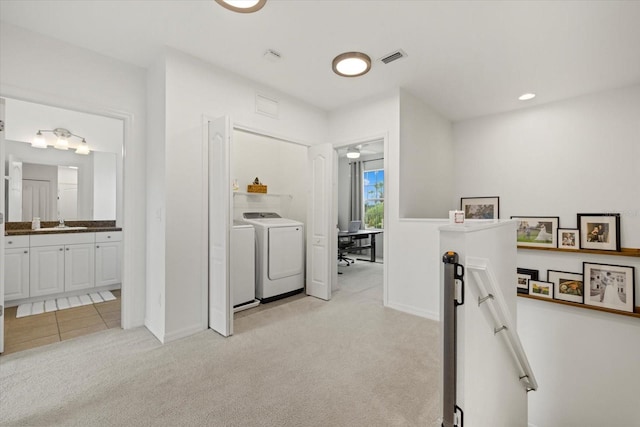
46	328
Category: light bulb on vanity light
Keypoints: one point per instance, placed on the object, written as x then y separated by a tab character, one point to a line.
62	144
83	148
39	141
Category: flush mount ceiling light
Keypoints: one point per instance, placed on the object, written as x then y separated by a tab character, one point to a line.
526	96
242	6
353	153
62	143
351	64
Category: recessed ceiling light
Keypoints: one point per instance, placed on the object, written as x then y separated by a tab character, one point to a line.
242	6
526	96
351	64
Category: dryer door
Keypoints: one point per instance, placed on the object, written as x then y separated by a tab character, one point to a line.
286	250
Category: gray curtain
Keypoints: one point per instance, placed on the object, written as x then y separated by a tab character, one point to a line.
357	167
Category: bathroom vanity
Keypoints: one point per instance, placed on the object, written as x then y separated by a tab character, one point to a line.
61	261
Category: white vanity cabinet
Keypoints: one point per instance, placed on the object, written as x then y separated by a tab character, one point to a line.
108	256
61	263
16	274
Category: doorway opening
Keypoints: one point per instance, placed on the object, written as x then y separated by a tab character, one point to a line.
361	194
65	279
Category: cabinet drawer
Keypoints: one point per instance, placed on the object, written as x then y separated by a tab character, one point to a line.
108	236
16	242
62	239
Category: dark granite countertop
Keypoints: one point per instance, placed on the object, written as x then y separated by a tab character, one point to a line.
24	228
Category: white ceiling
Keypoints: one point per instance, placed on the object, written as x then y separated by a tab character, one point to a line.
465	58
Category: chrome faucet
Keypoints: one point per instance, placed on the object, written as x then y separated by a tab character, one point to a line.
61	223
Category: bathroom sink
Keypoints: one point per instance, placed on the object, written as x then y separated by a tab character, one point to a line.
61	229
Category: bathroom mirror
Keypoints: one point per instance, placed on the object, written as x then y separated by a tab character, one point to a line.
55	184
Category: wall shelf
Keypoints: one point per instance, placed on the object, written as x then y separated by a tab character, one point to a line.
627	252
636	314
244	193
624	252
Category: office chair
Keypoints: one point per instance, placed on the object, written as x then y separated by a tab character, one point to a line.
344	244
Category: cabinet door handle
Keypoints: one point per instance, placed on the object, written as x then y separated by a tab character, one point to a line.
98	246
60	249
26	252
67	248
9	242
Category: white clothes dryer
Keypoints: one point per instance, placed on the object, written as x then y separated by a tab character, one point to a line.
279	255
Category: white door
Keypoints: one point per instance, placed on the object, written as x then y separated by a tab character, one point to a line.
16	273
79	263
14	197
220	309
322	220
108	263
2	219
46	270
35	199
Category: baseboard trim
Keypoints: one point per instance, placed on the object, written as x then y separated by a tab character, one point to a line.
414	310
183	333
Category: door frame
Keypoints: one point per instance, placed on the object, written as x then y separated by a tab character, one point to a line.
2	185
204	242
385	250
128	309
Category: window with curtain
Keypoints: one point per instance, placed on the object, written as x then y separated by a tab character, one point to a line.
373	198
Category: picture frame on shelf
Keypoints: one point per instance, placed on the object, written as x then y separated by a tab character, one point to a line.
524	275
480	207
599	231
541	289
568	238
537	231
609	286
567	286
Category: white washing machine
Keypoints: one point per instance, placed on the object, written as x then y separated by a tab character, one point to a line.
279	255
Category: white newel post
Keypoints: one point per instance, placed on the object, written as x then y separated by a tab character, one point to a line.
489	390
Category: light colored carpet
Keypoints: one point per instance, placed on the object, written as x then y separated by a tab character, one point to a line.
304	362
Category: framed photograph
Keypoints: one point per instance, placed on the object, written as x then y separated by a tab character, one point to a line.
480	207
523	277
599	231
566	286
541	289
537	231
609	286
568	238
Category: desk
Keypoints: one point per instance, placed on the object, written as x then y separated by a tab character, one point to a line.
363	234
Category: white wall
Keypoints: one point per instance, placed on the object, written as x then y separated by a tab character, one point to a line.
76	78
579	155
426	159
280	165
194	89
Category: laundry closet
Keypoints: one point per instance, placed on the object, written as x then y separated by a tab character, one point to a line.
267	238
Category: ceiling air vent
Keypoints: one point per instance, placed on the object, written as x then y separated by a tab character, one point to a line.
393	56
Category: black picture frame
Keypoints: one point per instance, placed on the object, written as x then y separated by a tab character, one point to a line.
523	275
600	231
601	279
480	207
